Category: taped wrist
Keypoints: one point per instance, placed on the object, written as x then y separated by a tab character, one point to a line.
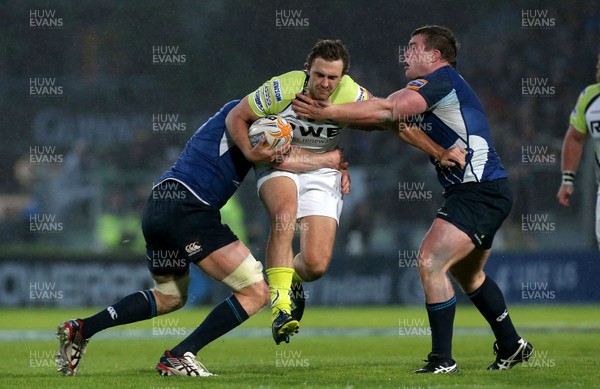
568	177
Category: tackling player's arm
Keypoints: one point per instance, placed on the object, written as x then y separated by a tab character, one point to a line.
447	157
571	156
384	113
238	122
300	160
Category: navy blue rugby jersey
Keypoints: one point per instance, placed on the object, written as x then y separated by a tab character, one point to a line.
455	117
211	165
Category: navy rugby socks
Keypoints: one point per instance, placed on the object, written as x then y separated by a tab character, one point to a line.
134	307
222	319
490	302
441	320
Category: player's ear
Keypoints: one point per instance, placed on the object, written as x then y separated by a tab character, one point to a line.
307	66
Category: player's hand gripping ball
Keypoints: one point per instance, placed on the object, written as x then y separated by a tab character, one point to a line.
275	129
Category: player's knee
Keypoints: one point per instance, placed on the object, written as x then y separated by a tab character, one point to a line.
468	282
246	276
168	303
428	264
316	265
171	295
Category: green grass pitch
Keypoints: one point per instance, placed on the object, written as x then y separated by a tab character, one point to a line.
359	347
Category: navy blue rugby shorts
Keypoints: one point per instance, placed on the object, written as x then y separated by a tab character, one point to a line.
478	209
180	229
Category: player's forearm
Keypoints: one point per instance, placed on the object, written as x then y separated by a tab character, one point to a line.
571	153
363	113
238	130
300	160
417	138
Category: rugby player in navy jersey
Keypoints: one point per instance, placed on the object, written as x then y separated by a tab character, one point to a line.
477	198
182	226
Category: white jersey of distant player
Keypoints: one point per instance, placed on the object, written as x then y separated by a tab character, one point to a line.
585	117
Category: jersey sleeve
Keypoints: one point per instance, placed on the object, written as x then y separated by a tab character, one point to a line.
577	118
348	91
433	87
275	95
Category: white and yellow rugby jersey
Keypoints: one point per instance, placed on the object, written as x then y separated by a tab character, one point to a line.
274	97
586	119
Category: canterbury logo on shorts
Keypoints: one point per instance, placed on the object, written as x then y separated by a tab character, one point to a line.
193	248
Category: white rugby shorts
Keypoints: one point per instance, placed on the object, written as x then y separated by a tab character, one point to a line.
319	191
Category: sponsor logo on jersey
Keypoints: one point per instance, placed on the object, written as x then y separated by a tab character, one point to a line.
267	96
314	130
364	94
193	248
257	101
417	84
277	91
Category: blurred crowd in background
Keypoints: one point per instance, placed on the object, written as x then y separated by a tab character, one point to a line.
84	156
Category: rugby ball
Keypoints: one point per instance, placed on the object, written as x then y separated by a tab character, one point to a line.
275	128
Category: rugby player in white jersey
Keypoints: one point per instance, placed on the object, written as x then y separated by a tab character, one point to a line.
312	201
584	123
